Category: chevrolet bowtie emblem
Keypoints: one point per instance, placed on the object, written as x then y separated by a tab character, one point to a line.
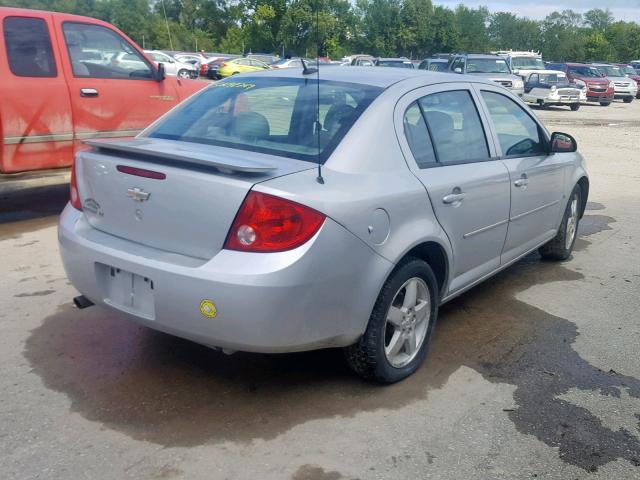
138	194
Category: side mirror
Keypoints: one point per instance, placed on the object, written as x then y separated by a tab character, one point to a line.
562	143
160	73
457	70
603	74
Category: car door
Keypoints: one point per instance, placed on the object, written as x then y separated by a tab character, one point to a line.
109	99
537	178
36	125
443	138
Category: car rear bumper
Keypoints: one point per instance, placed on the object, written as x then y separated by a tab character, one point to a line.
316	296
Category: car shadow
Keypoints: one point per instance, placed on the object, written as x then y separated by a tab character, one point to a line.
173	392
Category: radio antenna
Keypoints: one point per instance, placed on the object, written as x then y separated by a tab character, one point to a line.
319	178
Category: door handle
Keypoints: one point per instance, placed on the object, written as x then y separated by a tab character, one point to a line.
88	92
523	181
453	198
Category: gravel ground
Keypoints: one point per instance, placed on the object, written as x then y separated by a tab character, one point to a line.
533	374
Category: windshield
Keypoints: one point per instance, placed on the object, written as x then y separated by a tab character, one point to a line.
585	72
438	66
527	63
610	71
269	115
487	65
557	79
628	70
394	63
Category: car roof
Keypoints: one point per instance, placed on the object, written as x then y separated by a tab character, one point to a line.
373	76
481	55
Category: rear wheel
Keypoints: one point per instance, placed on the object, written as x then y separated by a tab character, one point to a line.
627	99
561	246
605	104
575	107
397	337
183	73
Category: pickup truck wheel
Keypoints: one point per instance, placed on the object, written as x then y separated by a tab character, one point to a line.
561	246
397	337
627	99
605	104
575	107
184	74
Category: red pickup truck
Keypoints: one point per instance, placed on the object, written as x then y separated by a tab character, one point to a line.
65	79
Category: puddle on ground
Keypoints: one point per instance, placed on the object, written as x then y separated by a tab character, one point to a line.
157	388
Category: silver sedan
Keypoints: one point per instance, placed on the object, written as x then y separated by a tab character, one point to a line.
270	214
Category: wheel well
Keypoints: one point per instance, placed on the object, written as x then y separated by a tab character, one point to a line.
583	183
436	257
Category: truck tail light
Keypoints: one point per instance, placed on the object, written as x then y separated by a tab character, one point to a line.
74	195
266	223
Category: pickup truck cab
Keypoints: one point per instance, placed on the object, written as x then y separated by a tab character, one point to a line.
66	78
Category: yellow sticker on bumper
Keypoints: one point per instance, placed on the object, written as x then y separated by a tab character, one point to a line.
208	308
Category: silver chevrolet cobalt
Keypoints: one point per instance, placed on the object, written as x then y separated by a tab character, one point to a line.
278	212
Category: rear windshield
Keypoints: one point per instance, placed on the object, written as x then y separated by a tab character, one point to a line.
394	63
277	116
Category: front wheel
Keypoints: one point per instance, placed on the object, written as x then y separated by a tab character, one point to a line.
561	246
184	74
397	337
575	107
605	104
627	99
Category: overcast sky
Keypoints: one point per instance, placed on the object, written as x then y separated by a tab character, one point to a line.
628	10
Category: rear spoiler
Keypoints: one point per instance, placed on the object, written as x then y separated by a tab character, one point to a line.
229	162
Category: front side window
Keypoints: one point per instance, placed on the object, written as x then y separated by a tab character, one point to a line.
415	129
517	132
118	59
29	47
270	115
455	126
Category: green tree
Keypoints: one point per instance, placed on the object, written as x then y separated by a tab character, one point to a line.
472	28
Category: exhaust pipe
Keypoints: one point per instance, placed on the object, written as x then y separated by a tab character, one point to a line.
82	302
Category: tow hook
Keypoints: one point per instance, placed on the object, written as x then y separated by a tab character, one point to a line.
82	302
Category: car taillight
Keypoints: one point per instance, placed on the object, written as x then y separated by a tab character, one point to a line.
74	195
266	223
224	65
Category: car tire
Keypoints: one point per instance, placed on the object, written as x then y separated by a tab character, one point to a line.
605	104
561	246
575	107
183	74
638	96
373	357
627	99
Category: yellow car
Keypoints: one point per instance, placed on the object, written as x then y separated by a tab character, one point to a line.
241	65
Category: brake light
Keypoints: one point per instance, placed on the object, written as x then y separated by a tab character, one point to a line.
224	65
74	195
141	172
266	223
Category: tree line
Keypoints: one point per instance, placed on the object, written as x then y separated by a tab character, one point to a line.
411	28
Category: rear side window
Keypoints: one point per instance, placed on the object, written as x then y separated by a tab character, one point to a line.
99	52
270	115
455	127
418	137
518	133
29	47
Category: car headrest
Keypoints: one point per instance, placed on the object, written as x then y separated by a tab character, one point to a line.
440	122
337	116
251	125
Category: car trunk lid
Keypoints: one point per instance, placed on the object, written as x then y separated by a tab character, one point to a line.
182	198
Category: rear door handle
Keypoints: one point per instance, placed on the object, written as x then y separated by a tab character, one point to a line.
453	198
88	92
